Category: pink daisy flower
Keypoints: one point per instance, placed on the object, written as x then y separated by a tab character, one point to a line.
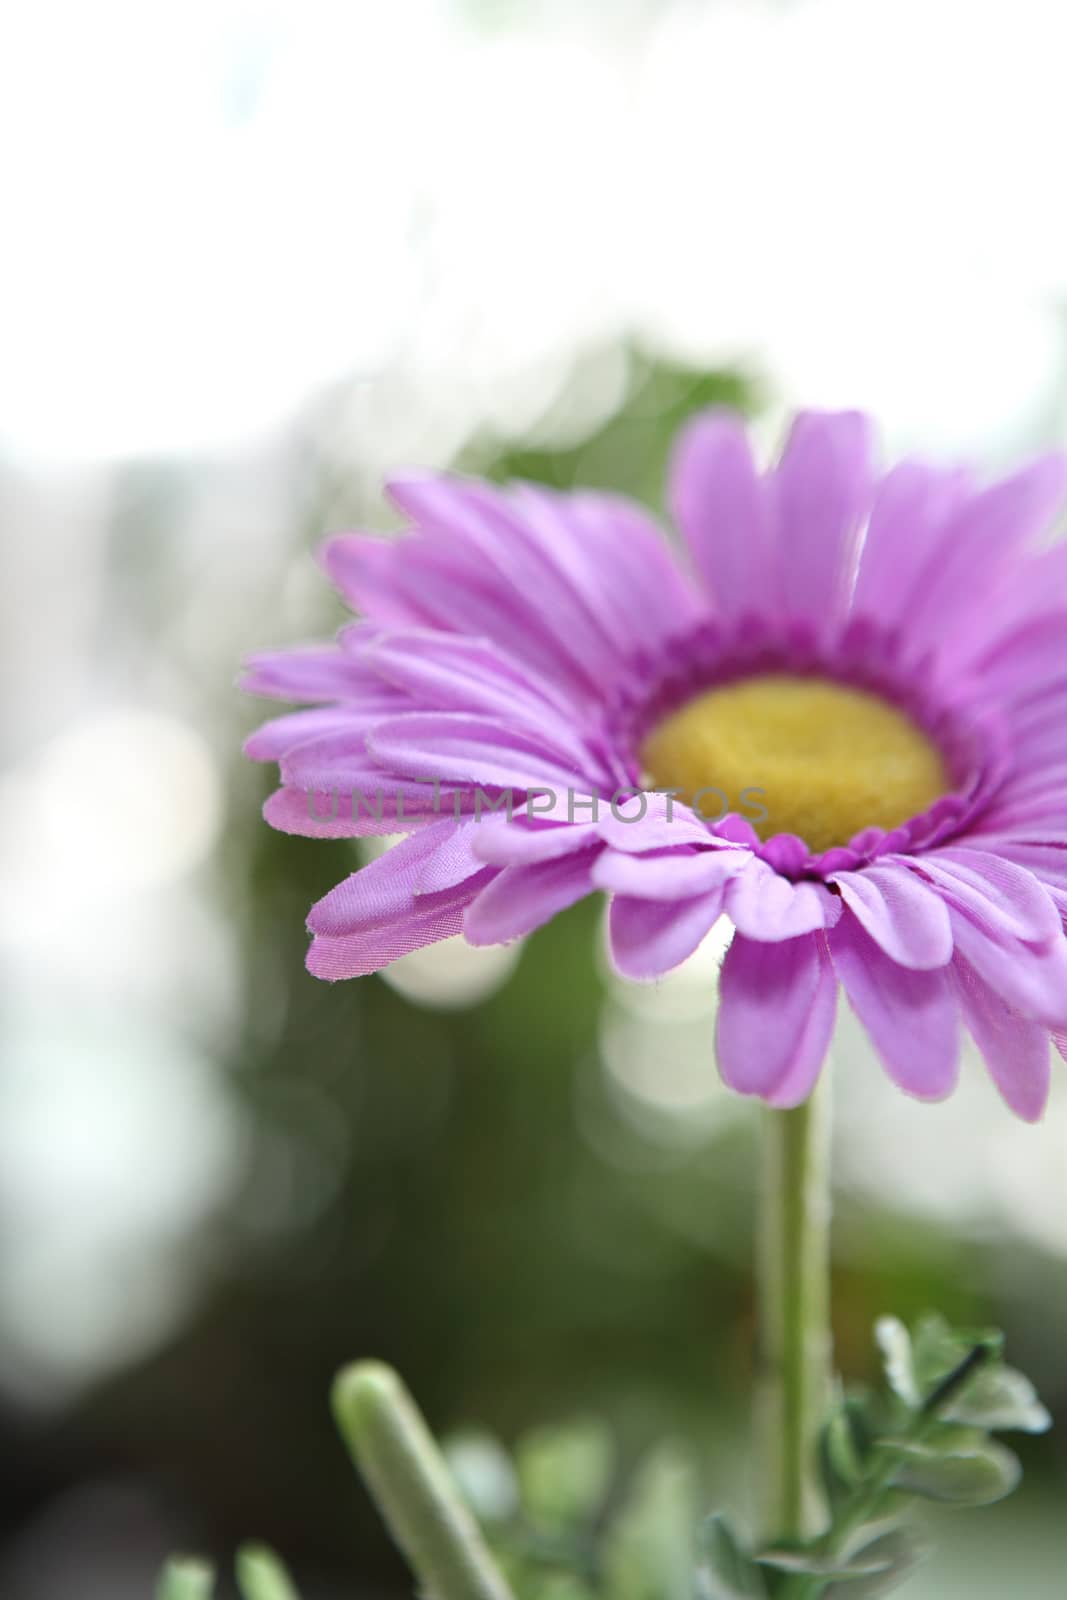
852	684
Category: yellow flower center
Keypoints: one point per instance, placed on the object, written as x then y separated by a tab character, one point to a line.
829	760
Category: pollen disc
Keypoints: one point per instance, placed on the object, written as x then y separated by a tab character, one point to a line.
829	760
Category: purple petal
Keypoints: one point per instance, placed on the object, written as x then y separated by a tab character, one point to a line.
326	814
911	507
766	907
787	853
1017	665
986	533
369	572
389	886
634	569
676	876
443	585
999	896
776	1017
1016	1051
584	576
721	505
474	750
520	899
484	522
521	841
1024	593
471	676
357	954
1047	862
651	821
1031	979
276	738
903	915
332	760
824	485
317	672
453	673
910	1015
646	938
453	863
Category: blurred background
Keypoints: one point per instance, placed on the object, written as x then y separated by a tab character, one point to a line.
256	254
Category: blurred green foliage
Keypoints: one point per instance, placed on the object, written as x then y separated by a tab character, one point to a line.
561	1528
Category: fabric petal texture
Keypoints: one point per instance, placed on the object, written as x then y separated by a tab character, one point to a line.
776	1017
499	703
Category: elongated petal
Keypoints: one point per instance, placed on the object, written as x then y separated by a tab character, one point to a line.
520	899
443	585
485	523
327	814
910	1015
651	821
677	875
776	1017
1016	1051
986	532
522	842
824	485
1047	862
471	677
765	906
1032	980
369	572
905	916
388	885
276	738
452	673
454	862
647	938
357	954
635	570
722	507
474	750
318	672
911	507
1000	897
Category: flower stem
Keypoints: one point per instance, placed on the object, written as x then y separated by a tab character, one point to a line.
794	1313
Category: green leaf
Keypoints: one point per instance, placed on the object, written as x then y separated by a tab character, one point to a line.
897	1553
999	1397
885	1529
406	1473
564	1472
261	1575
937	1348
809	1564
185	1579
484	1473
727	1572
894	1341
648	1552
976	1476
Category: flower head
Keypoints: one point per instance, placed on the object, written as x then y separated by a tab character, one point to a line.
839	718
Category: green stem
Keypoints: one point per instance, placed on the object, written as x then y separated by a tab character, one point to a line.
408	1477
794	1285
